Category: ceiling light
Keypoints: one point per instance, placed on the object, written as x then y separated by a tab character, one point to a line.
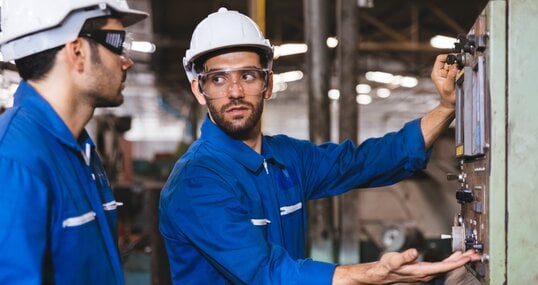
383	92
332	42
365	3
363	88
279	87
334	94
364	99
408	81
143	46
442	42
379	76
290	76
289	49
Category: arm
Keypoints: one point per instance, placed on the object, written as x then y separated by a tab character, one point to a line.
434	122
399	267
23	225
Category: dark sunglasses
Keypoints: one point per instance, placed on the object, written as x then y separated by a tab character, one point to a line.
113	40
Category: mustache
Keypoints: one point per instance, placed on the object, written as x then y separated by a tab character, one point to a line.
236	102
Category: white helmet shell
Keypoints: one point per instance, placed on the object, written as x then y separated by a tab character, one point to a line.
32	26
224	29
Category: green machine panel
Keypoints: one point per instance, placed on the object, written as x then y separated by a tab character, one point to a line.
497	143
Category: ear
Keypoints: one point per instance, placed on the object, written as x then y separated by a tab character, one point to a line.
75	54
269	91
197	93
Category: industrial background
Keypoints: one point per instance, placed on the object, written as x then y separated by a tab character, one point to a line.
359	68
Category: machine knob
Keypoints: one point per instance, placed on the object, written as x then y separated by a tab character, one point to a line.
452	176
455	59
464	196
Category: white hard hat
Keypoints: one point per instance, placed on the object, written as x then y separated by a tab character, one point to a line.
224	29
32	26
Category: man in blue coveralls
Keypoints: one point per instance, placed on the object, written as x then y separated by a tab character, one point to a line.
233	209
57	211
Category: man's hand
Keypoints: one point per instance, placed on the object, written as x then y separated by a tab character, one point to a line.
443	76
400	267
434	122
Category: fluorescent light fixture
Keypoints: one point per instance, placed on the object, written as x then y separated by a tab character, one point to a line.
442	42
332	42
289	49
334	94
143	46
379	76
364	99
290	76
383	92
280	80
363	88
279	86
408	81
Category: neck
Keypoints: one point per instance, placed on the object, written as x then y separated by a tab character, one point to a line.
255	143
63	99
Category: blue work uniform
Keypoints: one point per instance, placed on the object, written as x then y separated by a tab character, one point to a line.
57	211
231	215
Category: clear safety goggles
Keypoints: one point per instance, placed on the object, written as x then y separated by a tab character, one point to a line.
118	42
216	84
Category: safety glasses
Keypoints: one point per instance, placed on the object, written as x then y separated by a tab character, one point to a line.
218	83
116	41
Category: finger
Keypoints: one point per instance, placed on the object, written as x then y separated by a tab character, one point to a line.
455	255
405	257
456	260
473	254
439	62
452	72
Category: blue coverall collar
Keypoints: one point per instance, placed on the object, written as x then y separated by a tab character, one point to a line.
236	148
45	115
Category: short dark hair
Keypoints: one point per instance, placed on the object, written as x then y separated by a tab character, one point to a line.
36	66
200	62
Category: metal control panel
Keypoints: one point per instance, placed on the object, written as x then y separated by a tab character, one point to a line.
470	229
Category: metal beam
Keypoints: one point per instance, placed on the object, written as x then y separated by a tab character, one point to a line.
257	13
406	46
445	18
365	16
348	226
320	242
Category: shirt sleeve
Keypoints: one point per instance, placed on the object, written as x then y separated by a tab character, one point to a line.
23	226
331	169
221	229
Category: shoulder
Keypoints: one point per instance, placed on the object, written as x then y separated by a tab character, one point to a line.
23	141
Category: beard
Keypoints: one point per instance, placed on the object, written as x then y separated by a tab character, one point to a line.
107	87
239	127
107	92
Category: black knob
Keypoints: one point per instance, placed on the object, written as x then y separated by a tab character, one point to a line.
451	59
455	59
452	176
464	196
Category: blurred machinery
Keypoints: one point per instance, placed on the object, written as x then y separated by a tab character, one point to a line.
495	143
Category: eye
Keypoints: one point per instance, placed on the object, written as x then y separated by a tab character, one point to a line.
217	78
250	75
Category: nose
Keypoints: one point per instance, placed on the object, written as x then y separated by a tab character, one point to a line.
235	89
126	62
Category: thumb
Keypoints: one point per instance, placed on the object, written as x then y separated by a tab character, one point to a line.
403	258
